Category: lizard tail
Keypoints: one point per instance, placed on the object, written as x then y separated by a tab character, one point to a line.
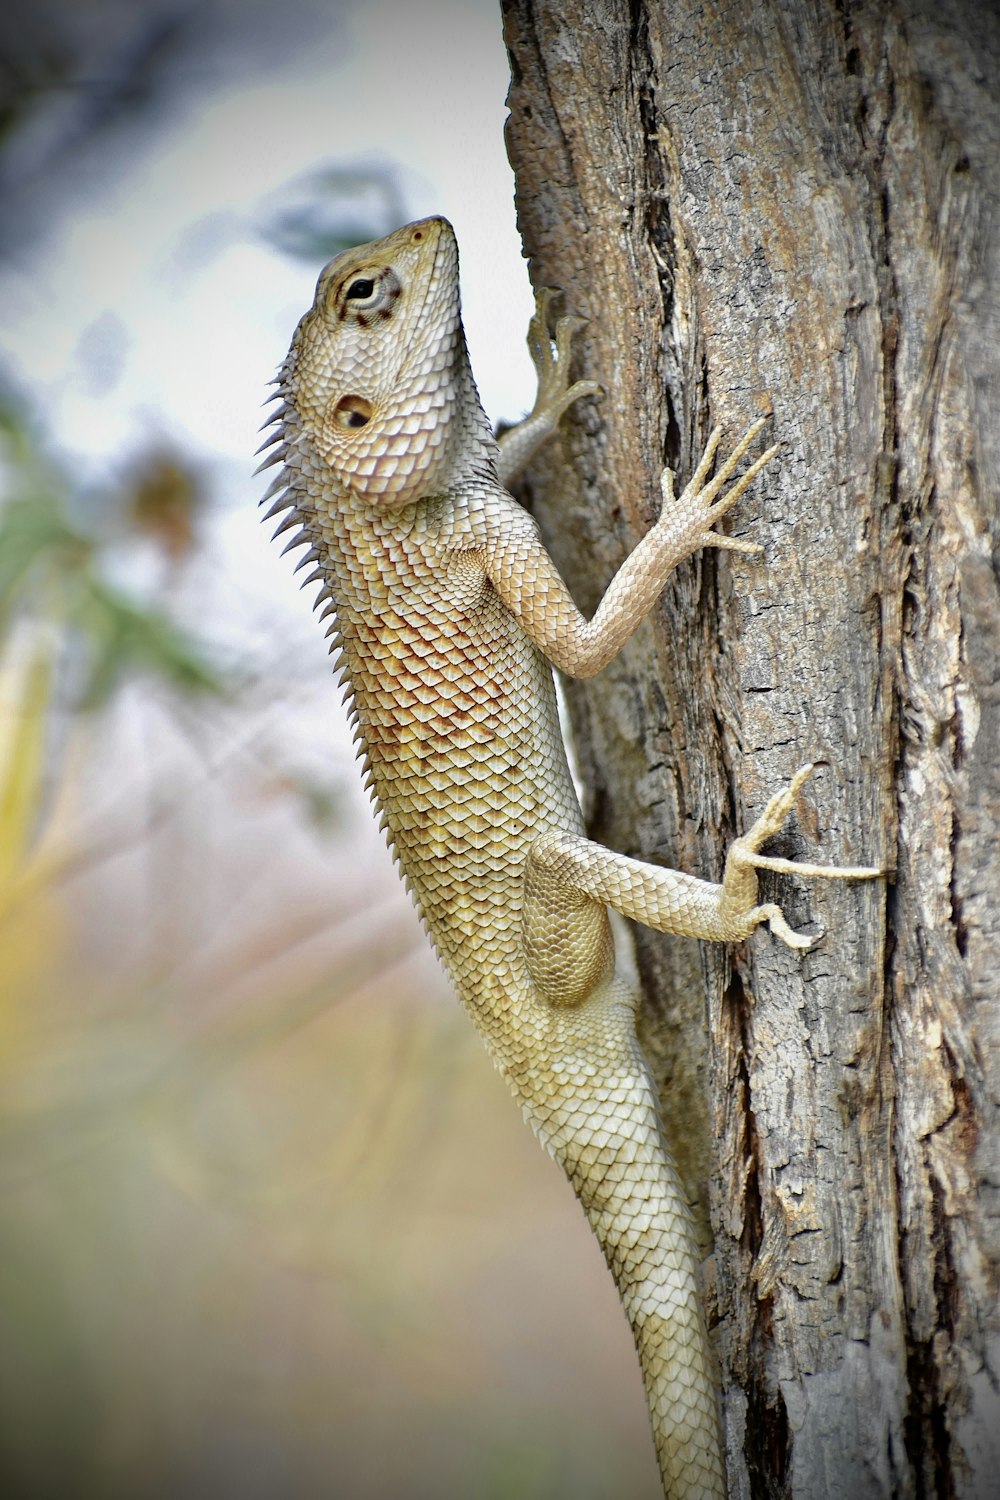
605	1132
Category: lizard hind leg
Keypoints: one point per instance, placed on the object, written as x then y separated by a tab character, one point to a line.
570	881
567	871
565	932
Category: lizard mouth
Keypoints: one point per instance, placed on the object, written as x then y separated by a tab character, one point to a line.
439	233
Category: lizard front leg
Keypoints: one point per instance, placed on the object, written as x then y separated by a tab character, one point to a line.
529	583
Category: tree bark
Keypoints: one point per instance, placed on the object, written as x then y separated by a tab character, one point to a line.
795	207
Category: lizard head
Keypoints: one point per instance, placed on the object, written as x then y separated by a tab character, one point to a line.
378	373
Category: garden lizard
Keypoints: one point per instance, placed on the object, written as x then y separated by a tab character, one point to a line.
448	617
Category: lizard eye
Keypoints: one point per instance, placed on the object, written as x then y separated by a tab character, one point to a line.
352	411
367	299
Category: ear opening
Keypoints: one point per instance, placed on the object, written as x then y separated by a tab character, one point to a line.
352	412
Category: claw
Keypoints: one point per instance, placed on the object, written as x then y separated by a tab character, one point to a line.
780	805
744	856
539	344
551	354
712	489
800	941
771	821
732	544
705	463
565	329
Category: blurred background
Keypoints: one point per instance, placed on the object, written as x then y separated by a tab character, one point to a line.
269	1223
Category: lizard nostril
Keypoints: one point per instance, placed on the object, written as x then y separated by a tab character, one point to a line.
352	411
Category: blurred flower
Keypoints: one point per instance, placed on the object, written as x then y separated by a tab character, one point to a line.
163	499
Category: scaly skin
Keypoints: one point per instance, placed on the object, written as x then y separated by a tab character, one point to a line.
449	613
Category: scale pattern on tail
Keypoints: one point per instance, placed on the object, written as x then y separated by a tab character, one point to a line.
448	617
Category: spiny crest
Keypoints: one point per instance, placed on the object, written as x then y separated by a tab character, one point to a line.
287	492
276	439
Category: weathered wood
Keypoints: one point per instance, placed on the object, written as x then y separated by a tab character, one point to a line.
795	205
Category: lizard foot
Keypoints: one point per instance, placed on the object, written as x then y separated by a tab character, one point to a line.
744	858
696	511
550	355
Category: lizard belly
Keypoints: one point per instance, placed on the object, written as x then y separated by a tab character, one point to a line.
465	759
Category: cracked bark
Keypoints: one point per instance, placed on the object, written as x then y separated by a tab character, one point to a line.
797	206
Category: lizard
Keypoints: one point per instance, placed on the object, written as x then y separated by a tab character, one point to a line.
448	618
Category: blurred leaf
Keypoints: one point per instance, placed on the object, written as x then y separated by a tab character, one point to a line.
122	636
35	539
52	570
319	215
321	800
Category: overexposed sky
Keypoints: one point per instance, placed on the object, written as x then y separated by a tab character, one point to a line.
141	307
149	305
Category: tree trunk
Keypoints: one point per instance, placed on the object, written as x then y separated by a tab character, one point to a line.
795	207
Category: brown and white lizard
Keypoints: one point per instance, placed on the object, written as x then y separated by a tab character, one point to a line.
450	615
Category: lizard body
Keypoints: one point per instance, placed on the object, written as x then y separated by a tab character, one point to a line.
449	615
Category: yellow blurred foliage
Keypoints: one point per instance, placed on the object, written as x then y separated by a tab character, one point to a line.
29	920
269	1221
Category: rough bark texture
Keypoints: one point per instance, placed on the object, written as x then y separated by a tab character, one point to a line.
797	206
